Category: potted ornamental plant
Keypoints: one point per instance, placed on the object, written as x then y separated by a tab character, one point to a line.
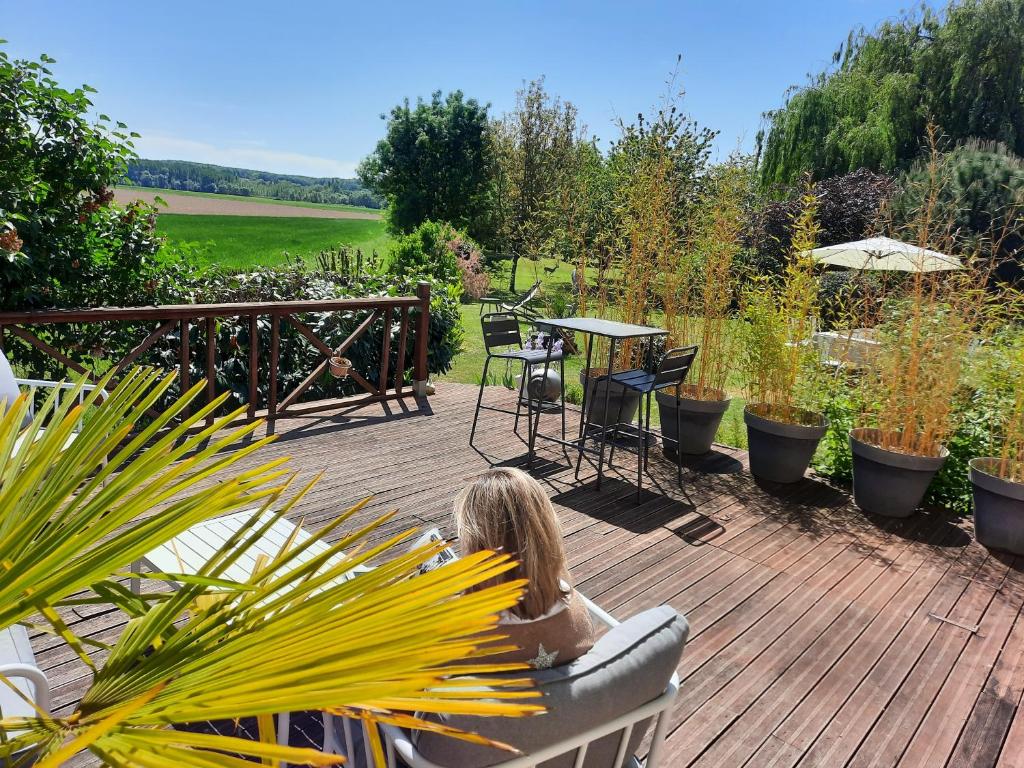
998	481
928	321
697	298
783	424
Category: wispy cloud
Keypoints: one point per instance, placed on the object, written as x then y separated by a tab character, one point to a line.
243	154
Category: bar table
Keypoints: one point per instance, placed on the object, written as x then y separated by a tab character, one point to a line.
590	327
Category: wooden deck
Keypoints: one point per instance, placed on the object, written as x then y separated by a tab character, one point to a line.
820	636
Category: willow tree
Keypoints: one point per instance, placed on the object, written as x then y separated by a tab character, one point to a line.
962	68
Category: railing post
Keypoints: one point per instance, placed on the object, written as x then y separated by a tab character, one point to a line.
254	364
275	353
185	382
419	371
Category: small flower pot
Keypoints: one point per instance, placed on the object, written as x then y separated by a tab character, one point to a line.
340	367
698	421
618	397
781	451
887	482
998	507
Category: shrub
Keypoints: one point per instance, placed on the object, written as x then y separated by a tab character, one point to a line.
444	253
848	208
62	242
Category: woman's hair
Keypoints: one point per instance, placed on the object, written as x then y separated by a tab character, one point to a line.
507	510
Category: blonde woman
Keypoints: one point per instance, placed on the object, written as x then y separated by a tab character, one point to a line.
507	510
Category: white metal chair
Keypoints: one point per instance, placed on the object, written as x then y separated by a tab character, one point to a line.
399	743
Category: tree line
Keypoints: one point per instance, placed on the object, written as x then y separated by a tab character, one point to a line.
535	183
202	177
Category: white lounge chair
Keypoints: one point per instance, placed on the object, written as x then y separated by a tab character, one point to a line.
12	386
188	552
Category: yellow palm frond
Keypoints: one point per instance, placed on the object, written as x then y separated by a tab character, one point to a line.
74	511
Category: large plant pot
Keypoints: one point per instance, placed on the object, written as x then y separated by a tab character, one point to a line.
782	451
998	507
888	482
618	396
698	422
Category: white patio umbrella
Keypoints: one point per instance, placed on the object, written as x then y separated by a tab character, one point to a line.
884	253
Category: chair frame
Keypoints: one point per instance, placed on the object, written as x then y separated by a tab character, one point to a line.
644	431
399	745
33	384
520	306
523	394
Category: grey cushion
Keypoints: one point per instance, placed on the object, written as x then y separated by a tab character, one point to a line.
628	667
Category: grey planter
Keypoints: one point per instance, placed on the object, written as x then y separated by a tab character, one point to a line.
998	508
779	451
886	482
698	422
628	399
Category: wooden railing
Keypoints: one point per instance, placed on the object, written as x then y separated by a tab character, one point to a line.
382	308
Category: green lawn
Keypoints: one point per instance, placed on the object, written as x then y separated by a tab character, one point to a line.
251	199
245	241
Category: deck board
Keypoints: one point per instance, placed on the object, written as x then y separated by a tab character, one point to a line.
811	640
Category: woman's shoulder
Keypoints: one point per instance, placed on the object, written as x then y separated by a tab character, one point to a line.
560	635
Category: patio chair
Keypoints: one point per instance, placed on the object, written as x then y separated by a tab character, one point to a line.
11	387
188	552
503	340
671	373
600	707
522	306
18	665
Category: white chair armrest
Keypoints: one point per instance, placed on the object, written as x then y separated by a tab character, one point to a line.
599	614
36	676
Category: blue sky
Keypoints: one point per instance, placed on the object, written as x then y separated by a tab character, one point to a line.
299	87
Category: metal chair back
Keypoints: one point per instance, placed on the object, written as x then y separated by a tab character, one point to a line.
674	367
501	329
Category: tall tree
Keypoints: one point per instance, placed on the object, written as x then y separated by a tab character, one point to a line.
962	69
434	164
536	148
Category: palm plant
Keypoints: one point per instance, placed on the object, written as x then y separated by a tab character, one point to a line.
295	635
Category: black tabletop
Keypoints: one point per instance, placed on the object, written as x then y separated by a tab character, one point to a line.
611	329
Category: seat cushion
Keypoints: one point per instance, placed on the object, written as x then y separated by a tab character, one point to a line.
531	356
628	667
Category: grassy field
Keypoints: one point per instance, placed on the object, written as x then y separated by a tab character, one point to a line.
244	241
249	199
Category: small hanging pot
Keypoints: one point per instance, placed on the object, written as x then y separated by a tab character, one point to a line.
340	366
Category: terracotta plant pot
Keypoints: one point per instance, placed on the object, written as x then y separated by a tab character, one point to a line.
340	367
698	421
887	482
618	397
782	451
998	507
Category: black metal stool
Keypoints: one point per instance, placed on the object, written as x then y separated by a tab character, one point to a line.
671	372
501	330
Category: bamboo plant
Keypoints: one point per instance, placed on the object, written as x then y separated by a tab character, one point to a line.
699	293
926	325
293	636
781	313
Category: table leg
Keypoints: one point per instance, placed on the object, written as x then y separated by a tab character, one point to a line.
535	417
587	375
607	402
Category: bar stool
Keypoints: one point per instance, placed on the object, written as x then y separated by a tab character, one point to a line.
503	340
671	372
